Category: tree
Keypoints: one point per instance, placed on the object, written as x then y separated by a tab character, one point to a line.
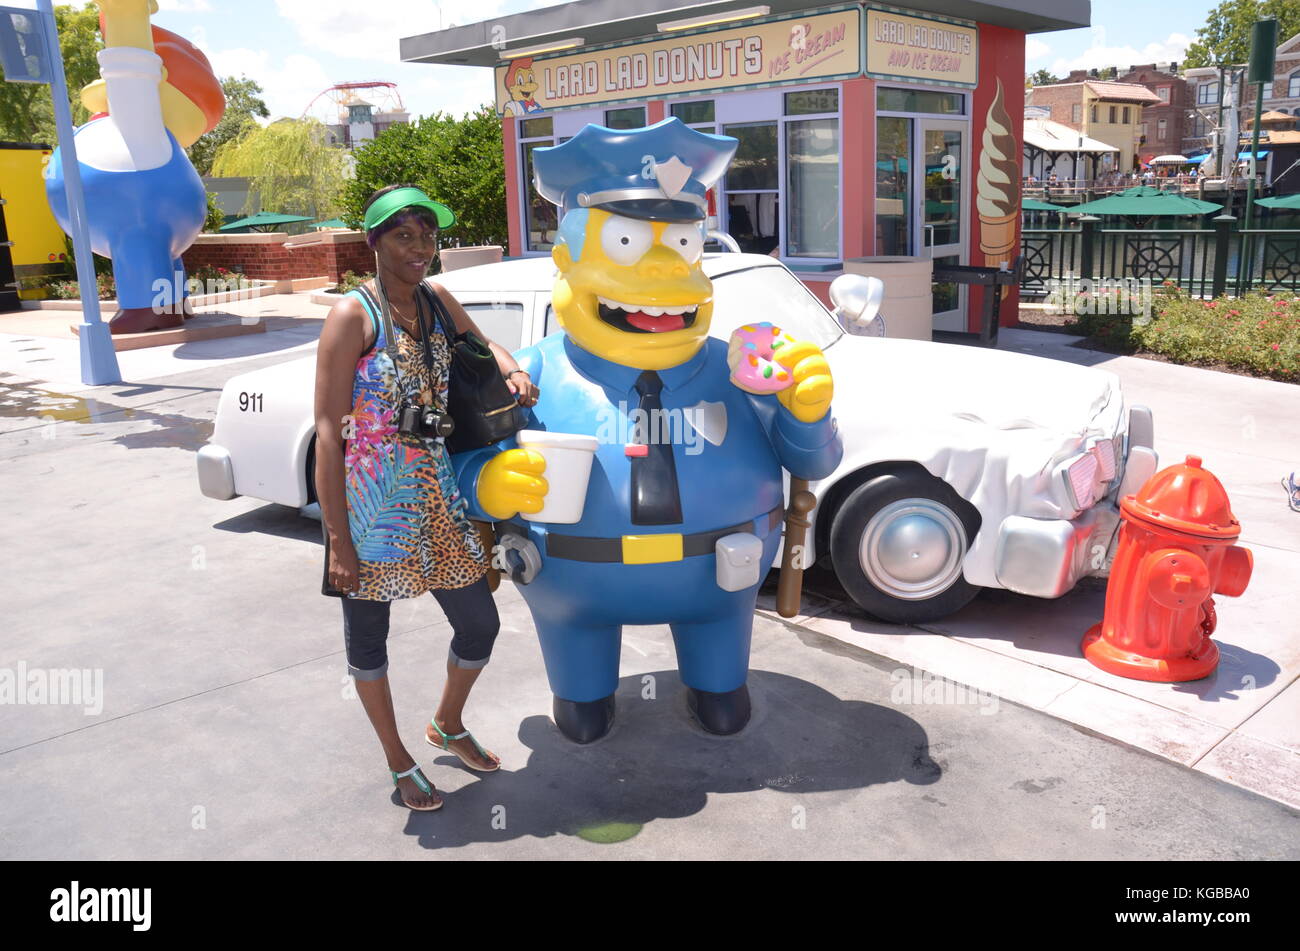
1042	78
291	164
243	106
26	109
1225	38
458	162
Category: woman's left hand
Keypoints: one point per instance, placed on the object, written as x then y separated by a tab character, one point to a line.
523	388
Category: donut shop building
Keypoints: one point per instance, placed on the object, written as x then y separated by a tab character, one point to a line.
865	130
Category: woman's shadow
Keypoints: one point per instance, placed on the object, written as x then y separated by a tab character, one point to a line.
657	763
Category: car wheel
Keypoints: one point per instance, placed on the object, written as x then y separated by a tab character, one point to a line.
897	544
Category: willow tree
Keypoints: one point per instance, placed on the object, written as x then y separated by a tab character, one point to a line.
291	167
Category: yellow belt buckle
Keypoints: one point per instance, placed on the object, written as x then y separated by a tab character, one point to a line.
650	549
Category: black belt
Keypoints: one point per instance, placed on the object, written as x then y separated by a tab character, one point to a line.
648	549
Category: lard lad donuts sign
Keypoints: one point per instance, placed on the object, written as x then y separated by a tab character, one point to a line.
795	49
921	50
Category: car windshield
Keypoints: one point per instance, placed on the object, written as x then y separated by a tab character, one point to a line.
775	295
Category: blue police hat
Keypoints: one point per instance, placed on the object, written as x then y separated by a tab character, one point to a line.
659	173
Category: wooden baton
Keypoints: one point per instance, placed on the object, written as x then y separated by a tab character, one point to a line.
789	587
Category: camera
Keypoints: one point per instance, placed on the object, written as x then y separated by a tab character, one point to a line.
425	422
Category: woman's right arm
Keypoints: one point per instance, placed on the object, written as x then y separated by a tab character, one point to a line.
342	341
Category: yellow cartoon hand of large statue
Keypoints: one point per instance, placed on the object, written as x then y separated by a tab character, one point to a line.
511	482
809	397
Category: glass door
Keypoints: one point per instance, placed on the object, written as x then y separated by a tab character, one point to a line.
941	210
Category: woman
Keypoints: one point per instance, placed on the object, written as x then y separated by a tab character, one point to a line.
395	523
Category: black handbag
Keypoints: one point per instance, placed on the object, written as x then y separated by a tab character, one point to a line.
478	399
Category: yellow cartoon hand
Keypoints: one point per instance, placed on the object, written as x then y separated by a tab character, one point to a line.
809	397
511	482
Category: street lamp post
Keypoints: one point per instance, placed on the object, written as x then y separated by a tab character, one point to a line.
98	359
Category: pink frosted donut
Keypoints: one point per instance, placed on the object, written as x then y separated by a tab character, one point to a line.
751	355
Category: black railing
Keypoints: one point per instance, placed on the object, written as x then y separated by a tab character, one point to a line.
1205	262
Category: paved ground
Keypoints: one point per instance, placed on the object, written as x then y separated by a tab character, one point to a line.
227	727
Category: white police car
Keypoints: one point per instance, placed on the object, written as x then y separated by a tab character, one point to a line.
963	467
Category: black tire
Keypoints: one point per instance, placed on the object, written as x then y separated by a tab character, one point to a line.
311	471
908	508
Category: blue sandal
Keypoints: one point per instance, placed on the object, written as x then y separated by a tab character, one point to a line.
1292	493
447	739
424	786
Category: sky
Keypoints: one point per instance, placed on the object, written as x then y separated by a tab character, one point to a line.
298	48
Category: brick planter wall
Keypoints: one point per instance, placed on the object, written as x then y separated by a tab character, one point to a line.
277	257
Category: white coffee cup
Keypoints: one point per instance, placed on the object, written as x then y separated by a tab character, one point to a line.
568	470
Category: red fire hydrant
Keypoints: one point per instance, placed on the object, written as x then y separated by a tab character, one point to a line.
1176	549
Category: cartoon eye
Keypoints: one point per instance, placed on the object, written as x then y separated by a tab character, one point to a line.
686	240
625	240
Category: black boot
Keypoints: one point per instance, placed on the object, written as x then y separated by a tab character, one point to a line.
584	721
722	713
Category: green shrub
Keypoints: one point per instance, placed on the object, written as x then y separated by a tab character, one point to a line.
1258	333
71	290
351	281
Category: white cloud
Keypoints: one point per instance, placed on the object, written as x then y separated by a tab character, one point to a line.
184	6
343	29
1036	50
1099	55
288	83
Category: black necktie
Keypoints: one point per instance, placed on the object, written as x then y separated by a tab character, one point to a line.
655	500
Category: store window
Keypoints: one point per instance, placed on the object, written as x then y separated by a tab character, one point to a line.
1076	113
889	99
1293	84
1208	93
1111	114
1162	128
782	191
893	191
540	219
1163	93
812	164
1092	114
753	186
632	117
694	113
1126	115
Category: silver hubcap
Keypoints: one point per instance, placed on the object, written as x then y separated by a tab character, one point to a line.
912	549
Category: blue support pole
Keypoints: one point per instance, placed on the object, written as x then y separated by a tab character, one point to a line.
98	359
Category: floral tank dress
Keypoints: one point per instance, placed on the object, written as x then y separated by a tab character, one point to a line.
408	521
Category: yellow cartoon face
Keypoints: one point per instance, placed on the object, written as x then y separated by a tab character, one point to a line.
524	86
632	291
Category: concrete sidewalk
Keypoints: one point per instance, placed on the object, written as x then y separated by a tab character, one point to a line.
228	728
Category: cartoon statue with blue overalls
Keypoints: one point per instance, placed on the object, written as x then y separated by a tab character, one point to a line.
681	514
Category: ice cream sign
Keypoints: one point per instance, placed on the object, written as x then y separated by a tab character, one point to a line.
921	49
776	50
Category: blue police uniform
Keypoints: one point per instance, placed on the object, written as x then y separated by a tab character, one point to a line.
579	605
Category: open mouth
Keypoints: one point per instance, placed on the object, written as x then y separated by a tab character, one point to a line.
644	319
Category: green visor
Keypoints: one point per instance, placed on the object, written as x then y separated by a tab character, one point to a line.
400	199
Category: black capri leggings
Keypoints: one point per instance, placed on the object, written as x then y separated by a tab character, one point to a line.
474	623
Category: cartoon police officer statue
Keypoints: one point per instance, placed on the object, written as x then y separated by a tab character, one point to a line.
670	533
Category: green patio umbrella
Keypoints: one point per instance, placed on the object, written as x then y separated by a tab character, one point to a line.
331	223
1284	202
262	221
1145	201
1033	204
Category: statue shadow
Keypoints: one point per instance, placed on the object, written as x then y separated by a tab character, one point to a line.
657	763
